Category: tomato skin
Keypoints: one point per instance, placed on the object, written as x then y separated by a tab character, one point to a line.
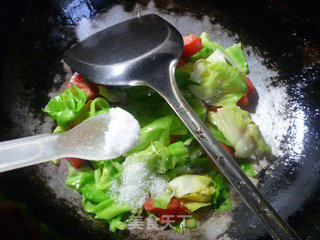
173	139
245	99
249	85
228	149
174	213
213	109
191	45
76	162
148	205
91	89
75	79
181	62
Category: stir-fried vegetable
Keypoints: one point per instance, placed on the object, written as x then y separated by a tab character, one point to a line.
67	106
239	129
90	89
219	83
167	172
192	187
174	209
191	45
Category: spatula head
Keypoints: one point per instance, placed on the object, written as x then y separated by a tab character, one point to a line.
127	53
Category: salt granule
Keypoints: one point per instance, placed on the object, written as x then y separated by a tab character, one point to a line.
122	134
133	188
137	184
158	186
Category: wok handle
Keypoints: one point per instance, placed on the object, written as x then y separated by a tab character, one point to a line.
27	151
276	226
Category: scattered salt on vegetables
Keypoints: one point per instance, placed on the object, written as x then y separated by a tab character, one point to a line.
137	184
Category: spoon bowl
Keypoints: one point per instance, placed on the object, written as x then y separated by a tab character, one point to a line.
147	44
98	138
92	140
86	140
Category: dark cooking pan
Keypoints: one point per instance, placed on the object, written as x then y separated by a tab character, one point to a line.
282	44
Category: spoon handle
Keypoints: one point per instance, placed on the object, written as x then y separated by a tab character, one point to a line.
27	151
276	226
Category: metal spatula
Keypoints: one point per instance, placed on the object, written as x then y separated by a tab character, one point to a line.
145	51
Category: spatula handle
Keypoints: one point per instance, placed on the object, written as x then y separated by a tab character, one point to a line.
27	151
276	226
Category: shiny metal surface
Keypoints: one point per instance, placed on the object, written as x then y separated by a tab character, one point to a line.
108	57
145	51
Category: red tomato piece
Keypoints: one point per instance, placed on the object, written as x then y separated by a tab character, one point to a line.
91	89
191	45
174	213
148	205
75	79
173	139
213	109
228	149
76	162
250	86
181	62
245	99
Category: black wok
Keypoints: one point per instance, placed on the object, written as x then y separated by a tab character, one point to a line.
282	43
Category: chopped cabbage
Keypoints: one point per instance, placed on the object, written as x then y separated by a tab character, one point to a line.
220	84
217	56
193	187
193	205
234	54
239	129
67	106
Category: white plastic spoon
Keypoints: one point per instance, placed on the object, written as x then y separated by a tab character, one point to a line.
105	136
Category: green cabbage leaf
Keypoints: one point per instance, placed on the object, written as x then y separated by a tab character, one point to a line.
94	185
67	106
238	128
219	83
